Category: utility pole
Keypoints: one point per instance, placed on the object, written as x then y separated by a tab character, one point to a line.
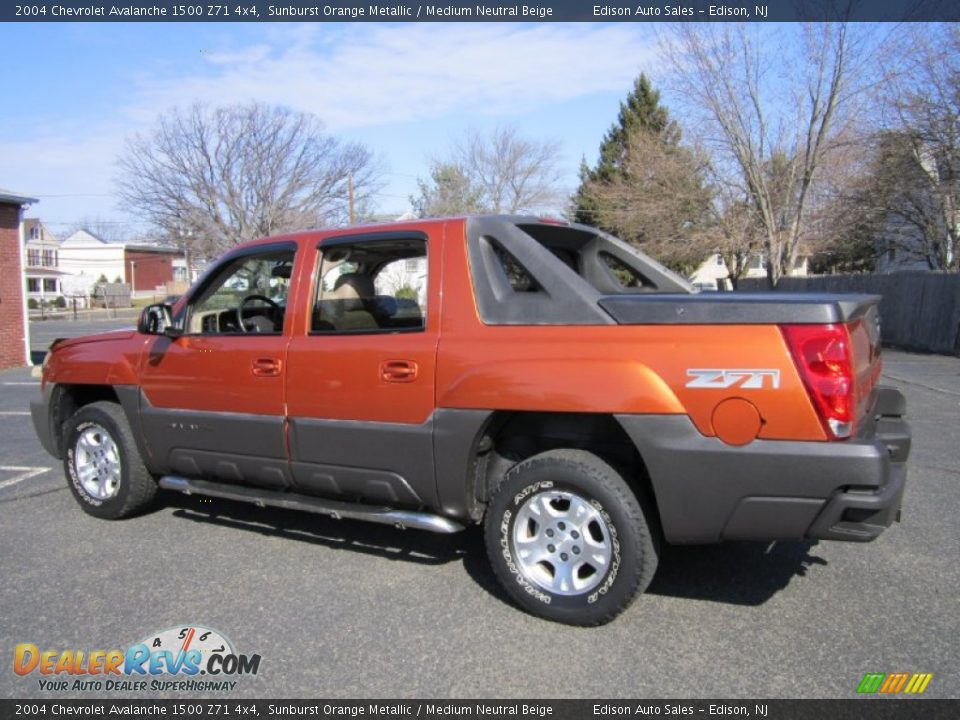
353	217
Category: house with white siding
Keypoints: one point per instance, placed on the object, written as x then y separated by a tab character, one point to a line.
42	274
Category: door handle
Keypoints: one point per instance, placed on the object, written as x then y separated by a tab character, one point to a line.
266	367
398	371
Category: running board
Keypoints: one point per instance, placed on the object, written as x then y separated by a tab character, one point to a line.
333	508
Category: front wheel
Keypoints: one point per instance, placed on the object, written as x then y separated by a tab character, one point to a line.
102	463
567	538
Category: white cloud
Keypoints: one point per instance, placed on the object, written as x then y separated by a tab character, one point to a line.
361	75
352	76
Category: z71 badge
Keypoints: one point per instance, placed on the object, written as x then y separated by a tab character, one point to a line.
720	378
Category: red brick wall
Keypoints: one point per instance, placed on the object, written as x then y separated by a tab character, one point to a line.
11	289
152	269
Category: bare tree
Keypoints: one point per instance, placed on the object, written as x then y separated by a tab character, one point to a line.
658	201
767	154
843	223
738	233
915	181
212	177
502	172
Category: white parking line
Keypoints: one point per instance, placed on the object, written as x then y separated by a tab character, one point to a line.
21	383
25	473
14	412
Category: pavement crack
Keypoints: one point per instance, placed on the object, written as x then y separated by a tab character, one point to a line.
952	471
27	496
923	385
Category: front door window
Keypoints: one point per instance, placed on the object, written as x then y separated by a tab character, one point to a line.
248	295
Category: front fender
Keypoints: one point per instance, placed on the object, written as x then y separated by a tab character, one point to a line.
112	361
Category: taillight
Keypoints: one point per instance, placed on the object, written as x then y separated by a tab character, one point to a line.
823	356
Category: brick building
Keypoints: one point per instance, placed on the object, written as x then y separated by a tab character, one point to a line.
14	345
148	268
85	259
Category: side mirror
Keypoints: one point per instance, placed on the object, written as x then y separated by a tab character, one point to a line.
158	320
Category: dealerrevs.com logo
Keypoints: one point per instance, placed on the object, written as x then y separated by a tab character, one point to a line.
188	658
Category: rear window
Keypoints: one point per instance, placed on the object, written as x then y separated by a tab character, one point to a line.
371	286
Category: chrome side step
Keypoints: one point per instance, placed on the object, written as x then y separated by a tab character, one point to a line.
333	508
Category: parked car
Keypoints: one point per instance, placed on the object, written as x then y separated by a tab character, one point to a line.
551	383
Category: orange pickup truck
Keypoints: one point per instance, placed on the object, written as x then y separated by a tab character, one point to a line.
542	378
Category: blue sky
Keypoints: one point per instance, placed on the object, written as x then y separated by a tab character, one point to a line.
403	90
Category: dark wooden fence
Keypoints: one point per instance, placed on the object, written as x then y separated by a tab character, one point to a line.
919	311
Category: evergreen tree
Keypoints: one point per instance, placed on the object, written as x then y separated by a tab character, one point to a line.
497	172
449	191
641	110
647	188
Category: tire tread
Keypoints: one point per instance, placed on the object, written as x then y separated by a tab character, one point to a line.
142	487
594	467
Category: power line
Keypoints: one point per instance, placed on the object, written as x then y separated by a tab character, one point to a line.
81	223
68	195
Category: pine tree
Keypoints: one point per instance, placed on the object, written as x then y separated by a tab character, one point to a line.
449	191
647	188
641	109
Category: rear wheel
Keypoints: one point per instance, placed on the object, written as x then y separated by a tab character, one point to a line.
567	538
102	463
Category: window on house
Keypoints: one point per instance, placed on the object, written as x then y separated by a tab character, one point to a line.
49	258
33	285
33	257
35	232
49	285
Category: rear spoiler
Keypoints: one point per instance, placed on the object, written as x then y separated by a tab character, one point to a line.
737	308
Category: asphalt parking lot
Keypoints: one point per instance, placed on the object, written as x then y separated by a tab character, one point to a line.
344	609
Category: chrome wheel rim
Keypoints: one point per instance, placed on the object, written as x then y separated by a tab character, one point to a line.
97	463
562	543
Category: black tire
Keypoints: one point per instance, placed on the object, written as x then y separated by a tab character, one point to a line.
569	480
89	431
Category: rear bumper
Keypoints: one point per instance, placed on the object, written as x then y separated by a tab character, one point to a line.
708	491
860	514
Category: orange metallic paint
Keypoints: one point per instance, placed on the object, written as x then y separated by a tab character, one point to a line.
461	362
607	368
736	421
213	373
338	377
107	359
